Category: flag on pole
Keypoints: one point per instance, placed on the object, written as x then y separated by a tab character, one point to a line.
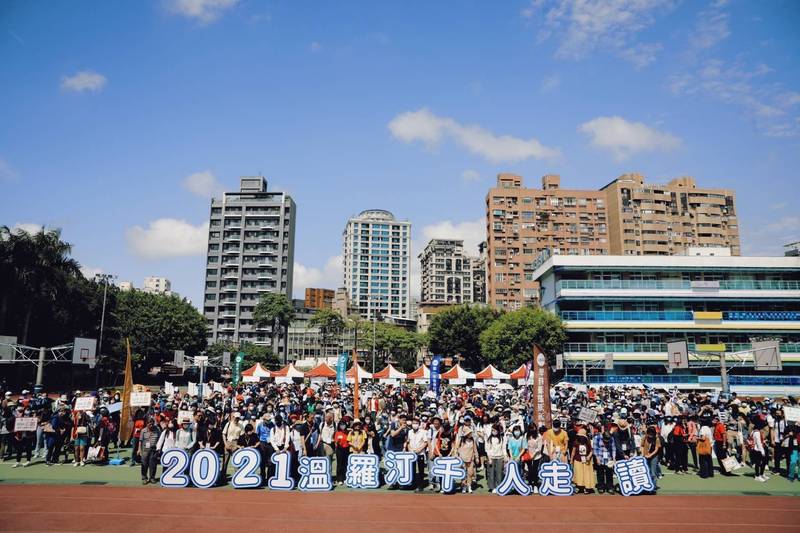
125	415
355	385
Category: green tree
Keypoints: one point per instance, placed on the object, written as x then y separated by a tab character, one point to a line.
274	311
39	268
331	326
392	344
456	330
508	342
253	353
157	325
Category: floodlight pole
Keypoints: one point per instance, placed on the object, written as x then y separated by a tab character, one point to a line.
723	373
105	278
40	367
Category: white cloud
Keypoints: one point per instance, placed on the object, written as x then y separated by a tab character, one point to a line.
770	106
550	83
90	272
330	276
422	125
30	227
85	80
202	184
204	11
470	175
711	27
314	47
584	26
168	237
768	239
7	174
624	139
472	232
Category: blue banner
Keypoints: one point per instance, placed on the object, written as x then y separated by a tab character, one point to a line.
341	369
435	378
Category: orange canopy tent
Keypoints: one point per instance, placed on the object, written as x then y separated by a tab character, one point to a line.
289	371
322	370
518	373
422	372
362	374
390	372
255	372
490	372
458	373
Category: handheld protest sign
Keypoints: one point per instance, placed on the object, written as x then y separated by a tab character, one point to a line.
25	423
84	403
140	399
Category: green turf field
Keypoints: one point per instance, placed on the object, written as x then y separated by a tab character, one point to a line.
38	472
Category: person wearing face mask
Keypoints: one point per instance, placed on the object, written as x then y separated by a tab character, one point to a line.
342	451
651	446
495	455
148	450
515	445
417	442
168	439
556	440
605	450
467	450
535	445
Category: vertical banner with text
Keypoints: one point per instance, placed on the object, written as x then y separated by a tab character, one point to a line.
435	378
541	388
341	369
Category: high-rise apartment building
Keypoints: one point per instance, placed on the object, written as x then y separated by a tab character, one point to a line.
522	222
319	298
156	285
250	253
446	272
479	275
668	219
377	263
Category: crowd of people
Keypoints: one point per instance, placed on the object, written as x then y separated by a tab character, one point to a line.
591	429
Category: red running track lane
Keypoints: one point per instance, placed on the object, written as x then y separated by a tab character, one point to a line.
125	509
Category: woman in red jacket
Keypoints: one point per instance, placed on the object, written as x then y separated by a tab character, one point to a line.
680	449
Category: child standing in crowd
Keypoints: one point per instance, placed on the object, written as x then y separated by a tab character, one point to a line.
467	450
582	463
495	454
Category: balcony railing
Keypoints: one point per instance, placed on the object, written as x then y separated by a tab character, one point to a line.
754	316
790	285
656	347
650	379
626	315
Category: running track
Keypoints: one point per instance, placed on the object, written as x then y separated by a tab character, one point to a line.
111	509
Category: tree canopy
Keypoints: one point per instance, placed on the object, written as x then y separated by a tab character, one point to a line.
274	311
456	330
508	341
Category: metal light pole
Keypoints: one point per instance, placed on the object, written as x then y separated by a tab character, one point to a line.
105	278
373	343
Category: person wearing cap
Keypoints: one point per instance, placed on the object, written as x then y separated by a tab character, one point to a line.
467	450
61	424
582	463
231	432
555	443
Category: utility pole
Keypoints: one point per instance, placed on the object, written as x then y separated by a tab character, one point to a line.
40	367
373	342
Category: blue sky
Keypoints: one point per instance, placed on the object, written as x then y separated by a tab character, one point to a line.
118	120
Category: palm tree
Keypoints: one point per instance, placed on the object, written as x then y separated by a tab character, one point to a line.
275	311
40	265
